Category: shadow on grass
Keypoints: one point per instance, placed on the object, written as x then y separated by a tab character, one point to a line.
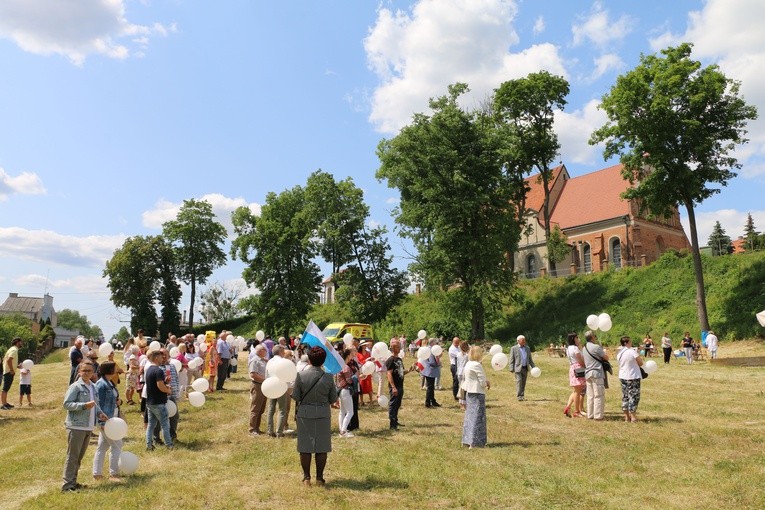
522	444
369	483
193	444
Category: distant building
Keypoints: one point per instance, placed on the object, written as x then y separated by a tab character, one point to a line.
739	245
64	337
33	308
602	228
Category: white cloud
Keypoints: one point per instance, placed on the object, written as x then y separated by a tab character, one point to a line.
539	25
731	220
605	63
51	247
222	206
729	33
73	29
574	130
599	29
26	183
417	54
78	284
392	200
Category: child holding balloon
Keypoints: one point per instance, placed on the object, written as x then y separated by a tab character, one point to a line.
25	386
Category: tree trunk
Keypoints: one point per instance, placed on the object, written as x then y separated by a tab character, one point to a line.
477	316
191	307
701	300
546	212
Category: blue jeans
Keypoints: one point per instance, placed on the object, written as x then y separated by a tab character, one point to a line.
158	413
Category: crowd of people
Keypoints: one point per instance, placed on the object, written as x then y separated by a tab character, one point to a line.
152	380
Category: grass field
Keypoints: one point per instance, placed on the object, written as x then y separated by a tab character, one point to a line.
699	444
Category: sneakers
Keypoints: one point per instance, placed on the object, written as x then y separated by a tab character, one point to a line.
6	407
346	434
289	431
150	448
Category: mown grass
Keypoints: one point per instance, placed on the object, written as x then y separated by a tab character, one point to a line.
699	445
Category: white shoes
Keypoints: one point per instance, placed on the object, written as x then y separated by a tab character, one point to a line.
346	434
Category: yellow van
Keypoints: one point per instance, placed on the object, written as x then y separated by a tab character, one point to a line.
334	332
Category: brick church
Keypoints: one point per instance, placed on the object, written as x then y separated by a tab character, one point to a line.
603	230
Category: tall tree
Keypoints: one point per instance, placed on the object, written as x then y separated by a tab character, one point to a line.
277	248
454	201
219	302
369	286
557	246
71	319
168	291
674	125
751	236
527	106
198	240
719	241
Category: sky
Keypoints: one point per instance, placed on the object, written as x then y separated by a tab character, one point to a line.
112	112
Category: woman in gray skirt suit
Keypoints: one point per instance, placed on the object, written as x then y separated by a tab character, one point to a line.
314	392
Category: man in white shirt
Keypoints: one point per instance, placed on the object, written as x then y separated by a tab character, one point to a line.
454	352
712	343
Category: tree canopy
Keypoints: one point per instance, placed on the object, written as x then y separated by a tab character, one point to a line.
198	240
455	197
674	125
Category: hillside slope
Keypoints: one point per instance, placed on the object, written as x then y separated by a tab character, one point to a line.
657	298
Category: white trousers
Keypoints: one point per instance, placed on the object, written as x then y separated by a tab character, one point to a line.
346	409
596	398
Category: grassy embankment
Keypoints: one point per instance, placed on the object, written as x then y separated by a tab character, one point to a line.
698	445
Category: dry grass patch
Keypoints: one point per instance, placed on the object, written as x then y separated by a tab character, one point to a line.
699	445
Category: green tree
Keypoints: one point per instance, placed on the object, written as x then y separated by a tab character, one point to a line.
369	287
197	238
132	283
454	202
751	236
527	107
557	246
719	241
12	326
674	125
219	302
71	319
168	291
123	335
277	249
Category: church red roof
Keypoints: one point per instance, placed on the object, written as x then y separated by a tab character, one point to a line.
591	197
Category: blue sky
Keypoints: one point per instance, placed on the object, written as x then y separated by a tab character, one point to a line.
112	112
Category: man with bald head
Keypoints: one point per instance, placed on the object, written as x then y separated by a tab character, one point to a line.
520	363
75	357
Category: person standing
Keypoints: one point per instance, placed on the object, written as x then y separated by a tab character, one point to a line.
630	362
576	381
712	343
462	359
595	376
454	353
157	390
431	371
476	384
395	373
520	363
666	347
75	357
688	347
314	392
107	397
257	368
82	411
10	364
282	402
344	382
224	356
174	396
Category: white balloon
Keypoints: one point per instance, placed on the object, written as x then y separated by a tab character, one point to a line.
155	346
85	350
536	372
401	354
436	350
105	349
422	334
174	352
499	361
423	353
378	349
368	368
201	384
592	322
382	400
172	409
197	398
285	371
604	321
203	347
230	338
200	338
128	463
28	364
177	364
260	336
650	366
115	428
348	339
234	362
496	348
272	387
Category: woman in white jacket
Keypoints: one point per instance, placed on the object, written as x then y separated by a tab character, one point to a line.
476	384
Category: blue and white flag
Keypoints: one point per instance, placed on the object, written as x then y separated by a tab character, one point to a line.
315	338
